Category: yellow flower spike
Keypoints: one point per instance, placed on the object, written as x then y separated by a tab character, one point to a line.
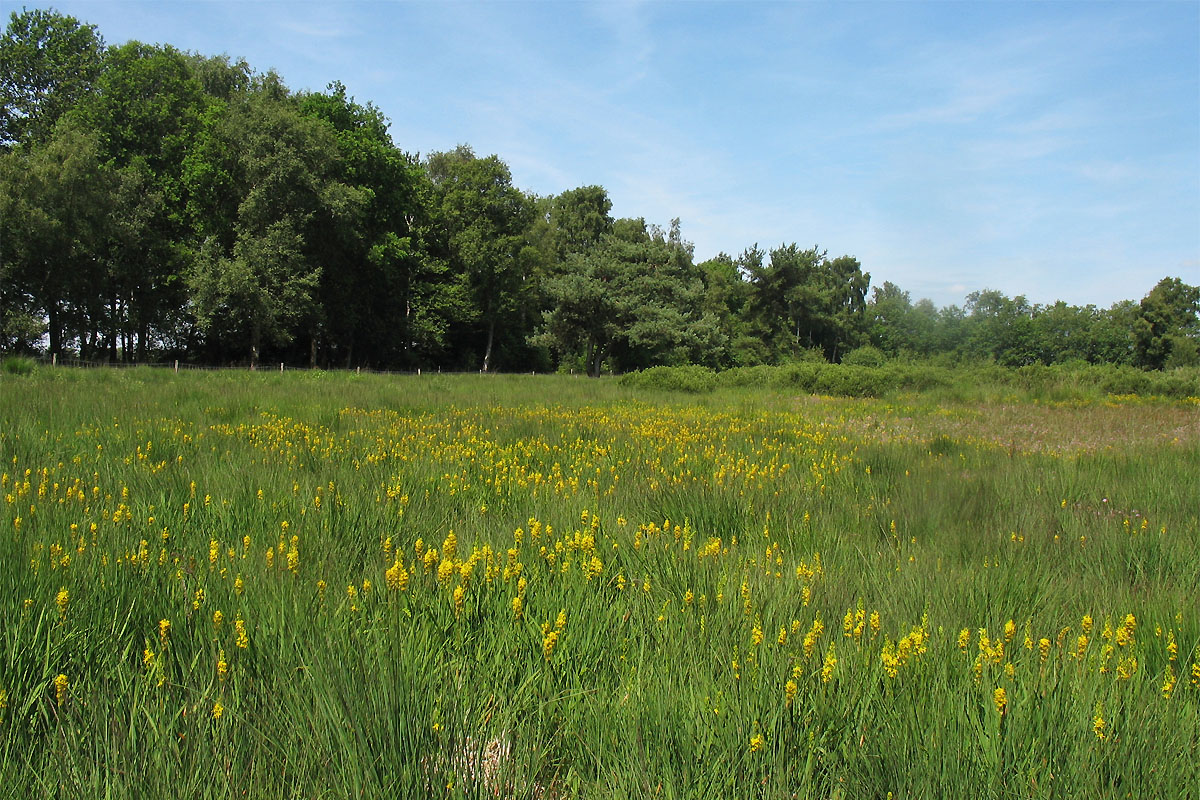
222	666
1098	723
829	665
1168	684
62	687
549	643
1000	700
62	599
459	597
1044	648
164	630
217	710
1081	646
243	640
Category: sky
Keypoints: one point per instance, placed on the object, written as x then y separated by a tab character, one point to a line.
1046	149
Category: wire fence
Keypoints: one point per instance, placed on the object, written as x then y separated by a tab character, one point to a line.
177	366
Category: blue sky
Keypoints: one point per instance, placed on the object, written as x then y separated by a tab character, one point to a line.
1044	149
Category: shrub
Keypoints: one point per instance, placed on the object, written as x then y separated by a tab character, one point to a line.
18	365
693	379
866	356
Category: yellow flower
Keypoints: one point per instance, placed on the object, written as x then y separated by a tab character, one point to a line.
829	665
756	742
239	625
1044	648
459	595
810	638
1098	723
61	687
1000	699
518	607
548	643
217	710
396	576
789	693
1168	684
222	666
164	630
62	599
964	639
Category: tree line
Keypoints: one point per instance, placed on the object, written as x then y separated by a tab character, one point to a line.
156	203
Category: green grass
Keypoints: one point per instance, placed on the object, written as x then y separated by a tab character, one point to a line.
680	667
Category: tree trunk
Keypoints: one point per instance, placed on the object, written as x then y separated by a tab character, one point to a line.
487	353
255	343
595	359
52	322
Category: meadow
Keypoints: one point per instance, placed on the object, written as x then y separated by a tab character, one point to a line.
313	585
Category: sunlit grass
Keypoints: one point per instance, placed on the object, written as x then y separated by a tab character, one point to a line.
314	585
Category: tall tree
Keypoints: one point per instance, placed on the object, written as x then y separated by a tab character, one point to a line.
48	63
803	300
147	107
263	176
634	300
381	293
1167	327
485	220
55	202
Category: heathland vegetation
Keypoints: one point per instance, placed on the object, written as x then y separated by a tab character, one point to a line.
160	205
318	584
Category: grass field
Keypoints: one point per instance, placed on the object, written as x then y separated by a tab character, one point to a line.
314	585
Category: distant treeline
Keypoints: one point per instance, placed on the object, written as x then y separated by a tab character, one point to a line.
158	204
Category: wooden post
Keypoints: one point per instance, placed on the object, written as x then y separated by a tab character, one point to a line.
177	366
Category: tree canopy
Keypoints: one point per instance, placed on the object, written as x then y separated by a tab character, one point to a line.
161	204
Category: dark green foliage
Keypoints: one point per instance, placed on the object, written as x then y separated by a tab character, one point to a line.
156	204
48	63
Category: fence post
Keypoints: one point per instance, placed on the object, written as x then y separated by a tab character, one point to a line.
281	366
358	370
177	366
418	372
54	359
